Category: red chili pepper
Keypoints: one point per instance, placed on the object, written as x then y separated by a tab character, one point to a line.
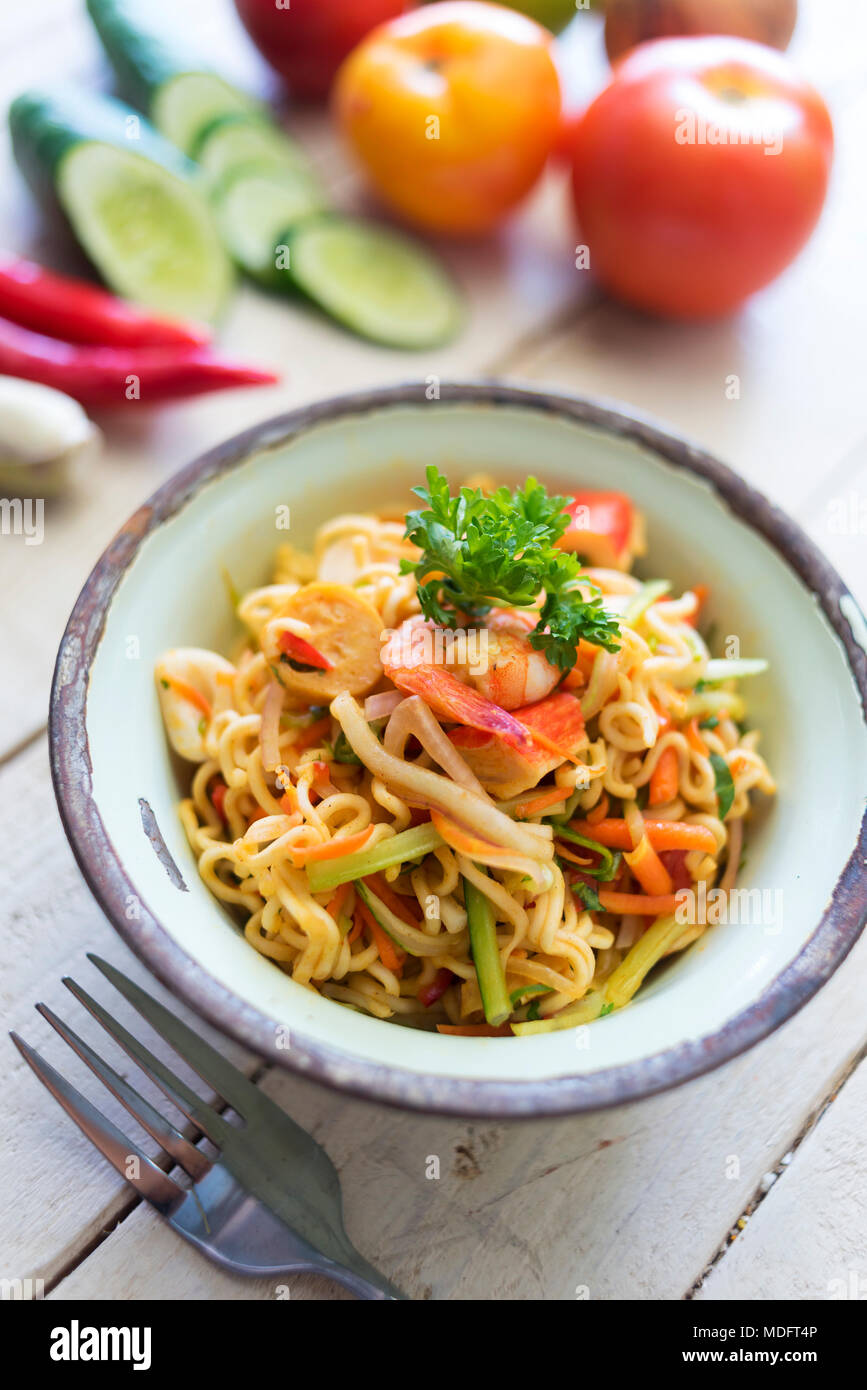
302	651
108	376
675	862
429	994
218	797
83	313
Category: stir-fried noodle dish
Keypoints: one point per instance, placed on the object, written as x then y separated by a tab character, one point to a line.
465	770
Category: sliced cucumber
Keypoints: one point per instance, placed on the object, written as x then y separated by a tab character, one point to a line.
234	142
129	196
184	106
151	235
159	74
379	284
255	210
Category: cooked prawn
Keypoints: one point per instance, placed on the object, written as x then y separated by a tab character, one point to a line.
187	683
496	661
558	729
472	678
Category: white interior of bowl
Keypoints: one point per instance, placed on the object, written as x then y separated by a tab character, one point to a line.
807	706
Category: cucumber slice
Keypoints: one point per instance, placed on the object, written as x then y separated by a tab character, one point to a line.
185	105
144	41
255	209
150	234
376	282
130	196
233	142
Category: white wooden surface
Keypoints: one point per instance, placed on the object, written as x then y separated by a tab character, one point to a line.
675	1197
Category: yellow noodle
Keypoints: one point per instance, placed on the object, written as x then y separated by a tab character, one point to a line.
251	845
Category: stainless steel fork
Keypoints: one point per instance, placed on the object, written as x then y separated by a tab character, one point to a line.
268	1203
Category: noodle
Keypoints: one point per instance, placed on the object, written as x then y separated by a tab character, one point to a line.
286	792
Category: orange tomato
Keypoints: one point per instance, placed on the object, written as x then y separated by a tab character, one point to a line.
452	110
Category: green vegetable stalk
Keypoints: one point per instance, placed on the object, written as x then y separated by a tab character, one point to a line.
486	955
398	849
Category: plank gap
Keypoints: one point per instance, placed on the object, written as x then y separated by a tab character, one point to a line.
812	1121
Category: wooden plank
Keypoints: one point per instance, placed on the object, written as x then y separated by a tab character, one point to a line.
629	1204
805	1240
58	1193
645	1187
529	267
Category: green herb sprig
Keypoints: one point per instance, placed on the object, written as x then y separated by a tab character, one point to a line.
481	552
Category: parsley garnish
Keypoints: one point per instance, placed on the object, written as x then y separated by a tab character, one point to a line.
481	552
606	1009
724	785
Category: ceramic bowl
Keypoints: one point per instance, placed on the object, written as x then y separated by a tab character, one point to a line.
159	584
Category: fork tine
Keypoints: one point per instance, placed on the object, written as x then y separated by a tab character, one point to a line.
151	1183
225	1078
191	1159
202	1114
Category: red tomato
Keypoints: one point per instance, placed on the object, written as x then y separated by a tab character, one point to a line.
699	173
307	40
603	529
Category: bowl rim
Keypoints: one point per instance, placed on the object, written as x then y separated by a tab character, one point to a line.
105	874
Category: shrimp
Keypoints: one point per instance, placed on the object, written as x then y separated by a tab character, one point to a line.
187	679
514	673
484	681
504	772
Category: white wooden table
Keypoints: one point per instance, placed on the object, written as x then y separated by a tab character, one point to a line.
749	1183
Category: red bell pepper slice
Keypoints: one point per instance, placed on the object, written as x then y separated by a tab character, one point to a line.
302	651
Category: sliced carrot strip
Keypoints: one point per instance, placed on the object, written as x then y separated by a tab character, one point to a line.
398	905
336	903
702	593
649	869
662	834
476	1030
664	778
331	849
312	734
694	738
662	715
357	926
637	903
541	802
189	692
600	810
391	956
